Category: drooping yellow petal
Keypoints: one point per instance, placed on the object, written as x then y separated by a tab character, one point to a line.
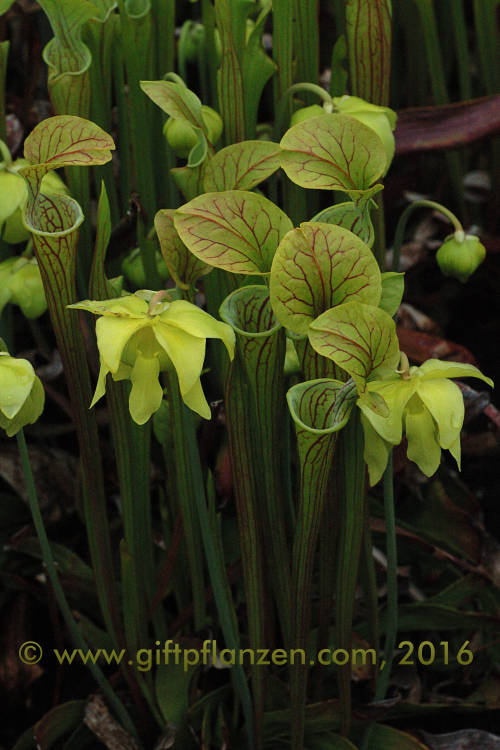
444	400
456	450
396	394
29	412
436	368
423	447
191	319
146	393
100	388
112	336
16	381
125	307
376	452
195	399
186	352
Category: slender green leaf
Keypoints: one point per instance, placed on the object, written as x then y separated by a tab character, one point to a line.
256	68
172	691
58	722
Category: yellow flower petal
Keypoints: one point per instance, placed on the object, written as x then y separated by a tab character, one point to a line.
16	381
191	319
100	388
396	394
436	368
123	307
195	399
455	451
444	400
186	352
423	447
146	393
29	412
112	336
376	452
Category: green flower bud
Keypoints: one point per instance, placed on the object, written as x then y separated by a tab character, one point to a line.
181	136
26	288
191	39
133	268
305	113
13	197
5	269
460	255
21	394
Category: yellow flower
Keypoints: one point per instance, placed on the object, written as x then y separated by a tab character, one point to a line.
21	284
21	394
423	403
143	334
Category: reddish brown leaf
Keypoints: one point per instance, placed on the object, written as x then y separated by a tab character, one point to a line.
448	126
420	346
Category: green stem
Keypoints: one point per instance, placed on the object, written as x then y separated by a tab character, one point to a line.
319	408
209	49
283	56
315	468
351	467
186	498
212	544
438	83
306	40
379	245
403	220
136	39
462	56
164	24
242	452
392	595
73	628
122	106
4	52
392	583
327	546
261	343
99	39
230	79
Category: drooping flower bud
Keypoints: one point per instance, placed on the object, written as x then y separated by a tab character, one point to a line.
21	394
133	268
13	197
305	113
460	255
181	137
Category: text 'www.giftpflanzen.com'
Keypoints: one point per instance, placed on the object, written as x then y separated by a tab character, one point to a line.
170	652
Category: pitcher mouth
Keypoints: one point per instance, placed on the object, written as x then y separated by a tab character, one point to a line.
53	215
